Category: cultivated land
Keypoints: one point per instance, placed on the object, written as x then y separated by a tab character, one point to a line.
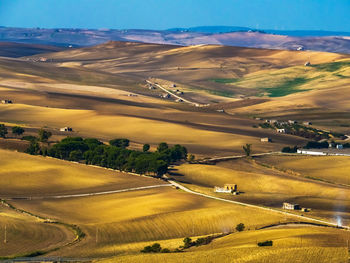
26	234
44	177
265	186
291	244
101	92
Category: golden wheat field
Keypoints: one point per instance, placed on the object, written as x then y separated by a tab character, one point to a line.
295	243
334	169
266	186
44	176
114	222
26	234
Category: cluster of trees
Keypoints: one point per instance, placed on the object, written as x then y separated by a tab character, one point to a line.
290	149
188	242
316	145
155	248
16	130
115	155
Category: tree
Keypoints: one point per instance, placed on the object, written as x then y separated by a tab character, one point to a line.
163	146
122	143
247	149
187	242
155	248
3	130
44	135
146	147
17	130
240	227
33	148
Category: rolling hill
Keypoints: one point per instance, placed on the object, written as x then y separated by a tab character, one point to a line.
231	36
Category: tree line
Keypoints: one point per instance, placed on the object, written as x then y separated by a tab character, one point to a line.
115	155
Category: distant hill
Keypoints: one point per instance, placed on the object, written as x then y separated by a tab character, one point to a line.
230	29
336	42
15	50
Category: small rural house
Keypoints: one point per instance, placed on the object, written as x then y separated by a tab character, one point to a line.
307	123
6	101
228	188
265	139
66	129
292	122
307	64
281	130
290	206
340	147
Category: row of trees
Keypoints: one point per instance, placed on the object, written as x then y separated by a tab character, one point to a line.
115	155
17	130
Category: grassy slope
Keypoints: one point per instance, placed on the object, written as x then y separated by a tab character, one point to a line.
40	176
26	234
270	187
291	244
329	168
126	219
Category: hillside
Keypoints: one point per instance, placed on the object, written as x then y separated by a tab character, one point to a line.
231	36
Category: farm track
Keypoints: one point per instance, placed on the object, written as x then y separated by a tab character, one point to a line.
87	194
174	95
319	221
79	234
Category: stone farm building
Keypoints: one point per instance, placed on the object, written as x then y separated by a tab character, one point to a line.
6	101
290	206
66	129
228	188
265	139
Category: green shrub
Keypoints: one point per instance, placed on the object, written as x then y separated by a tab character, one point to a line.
267	243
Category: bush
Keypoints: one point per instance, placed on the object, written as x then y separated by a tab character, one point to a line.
290	149
165	250
240	227
122	143
155	248
267	243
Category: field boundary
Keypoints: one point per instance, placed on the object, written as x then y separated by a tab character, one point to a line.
320	221
79	234
87	194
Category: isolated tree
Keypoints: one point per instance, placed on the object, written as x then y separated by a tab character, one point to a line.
44	135
146	147
3	130
247	149
17	130
240	227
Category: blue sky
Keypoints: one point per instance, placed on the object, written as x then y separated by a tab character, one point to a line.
331	15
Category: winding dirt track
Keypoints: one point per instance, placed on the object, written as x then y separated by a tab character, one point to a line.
88	194
256	206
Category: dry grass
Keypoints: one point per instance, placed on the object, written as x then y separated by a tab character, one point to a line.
269	187
291	244
333	169
126	219
25	175
26	234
